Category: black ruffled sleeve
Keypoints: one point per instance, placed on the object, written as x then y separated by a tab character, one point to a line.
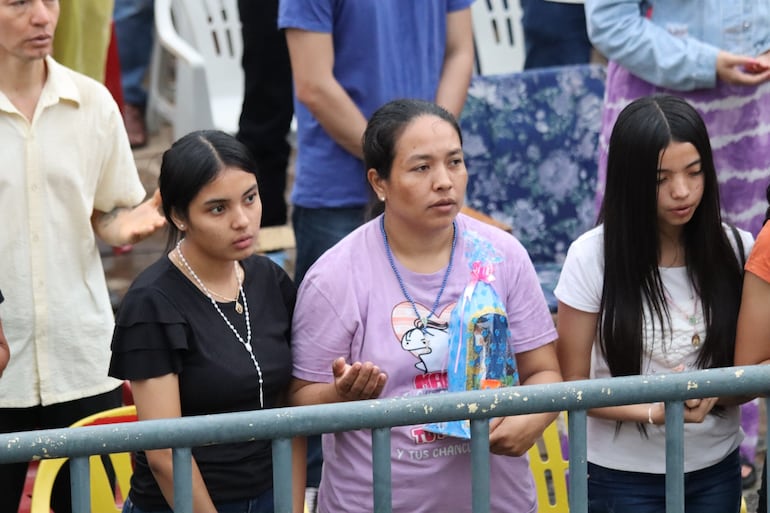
150	337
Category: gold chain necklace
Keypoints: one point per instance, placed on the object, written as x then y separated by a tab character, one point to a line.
238	306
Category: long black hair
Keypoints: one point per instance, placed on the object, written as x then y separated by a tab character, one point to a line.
631	238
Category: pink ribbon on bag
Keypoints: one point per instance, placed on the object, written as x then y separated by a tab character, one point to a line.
482	272
479	272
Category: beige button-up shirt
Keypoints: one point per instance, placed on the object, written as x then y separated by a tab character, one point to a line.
73	158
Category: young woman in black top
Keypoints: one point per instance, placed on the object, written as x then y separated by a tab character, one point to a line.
206	329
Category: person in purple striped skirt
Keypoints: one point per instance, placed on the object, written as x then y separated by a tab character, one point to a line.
715	55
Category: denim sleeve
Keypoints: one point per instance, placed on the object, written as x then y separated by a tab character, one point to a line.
619	29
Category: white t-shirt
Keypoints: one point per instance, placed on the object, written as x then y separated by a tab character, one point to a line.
580	287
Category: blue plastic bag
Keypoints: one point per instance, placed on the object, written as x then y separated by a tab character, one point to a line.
479	352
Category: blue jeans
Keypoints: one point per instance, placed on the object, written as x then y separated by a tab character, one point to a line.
263	503
134	29
318	229
716	489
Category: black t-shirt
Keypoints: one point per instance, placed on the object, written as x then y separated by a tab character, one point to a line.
167	325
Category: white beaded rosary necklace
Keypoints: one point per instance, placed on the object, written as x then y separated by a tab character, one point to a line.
247	342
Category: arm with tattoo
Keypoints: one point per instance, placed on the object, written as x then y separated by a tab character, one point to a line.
128	225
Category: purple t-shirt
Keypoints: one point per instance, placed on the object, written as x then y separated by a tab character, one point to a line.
350	305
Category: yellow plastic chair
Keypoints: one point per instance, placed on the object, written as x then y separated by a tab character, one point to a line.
549	471
104	498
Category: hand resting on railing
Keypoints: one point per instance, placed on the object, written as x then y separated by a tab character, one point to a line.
695	410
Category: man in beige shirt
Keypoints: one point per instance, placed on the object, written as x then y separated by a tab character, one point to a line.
68	176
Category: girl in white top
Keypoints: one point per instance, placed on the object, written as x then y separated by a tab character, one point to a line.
655	288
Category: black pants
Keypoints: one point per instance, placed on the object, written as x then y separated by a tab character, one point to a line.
267	103
561	40
13	475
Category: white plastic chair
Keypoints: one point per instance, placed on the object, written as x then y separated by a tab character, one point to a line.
499	36
201	87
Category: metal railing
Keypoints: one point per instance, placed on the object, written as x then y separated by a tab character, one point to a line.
280	425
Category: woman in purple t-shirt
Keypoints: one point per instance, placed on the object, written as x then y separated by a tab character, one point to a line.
372	316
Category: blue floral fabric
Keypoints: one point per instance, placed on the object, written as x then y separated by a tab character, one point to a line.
530	143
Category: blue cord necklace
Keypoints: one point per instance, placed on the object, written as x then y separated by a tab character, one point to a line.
422	323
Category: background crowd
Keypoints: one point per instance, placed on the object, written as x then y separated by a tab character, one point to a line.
382	247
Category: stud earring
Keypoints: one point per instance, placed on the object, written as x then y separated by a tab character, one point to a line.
181	226
382	198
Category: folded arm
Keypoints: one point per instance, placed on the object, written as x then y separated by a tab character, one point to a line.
577	330
648	50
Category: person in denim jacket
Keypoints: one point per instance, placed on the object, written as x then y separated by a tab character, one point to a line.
712	53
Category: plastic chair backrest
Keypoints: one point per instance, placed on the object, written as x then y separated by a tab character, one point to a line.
104	499
499	36
213	28
549	470
204	37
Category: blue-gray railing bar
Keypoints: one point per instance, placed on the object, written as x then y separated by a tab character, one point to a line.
480	465
289	422
381	470
80	471
674	456
182	461
282	474
578	462
332	418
